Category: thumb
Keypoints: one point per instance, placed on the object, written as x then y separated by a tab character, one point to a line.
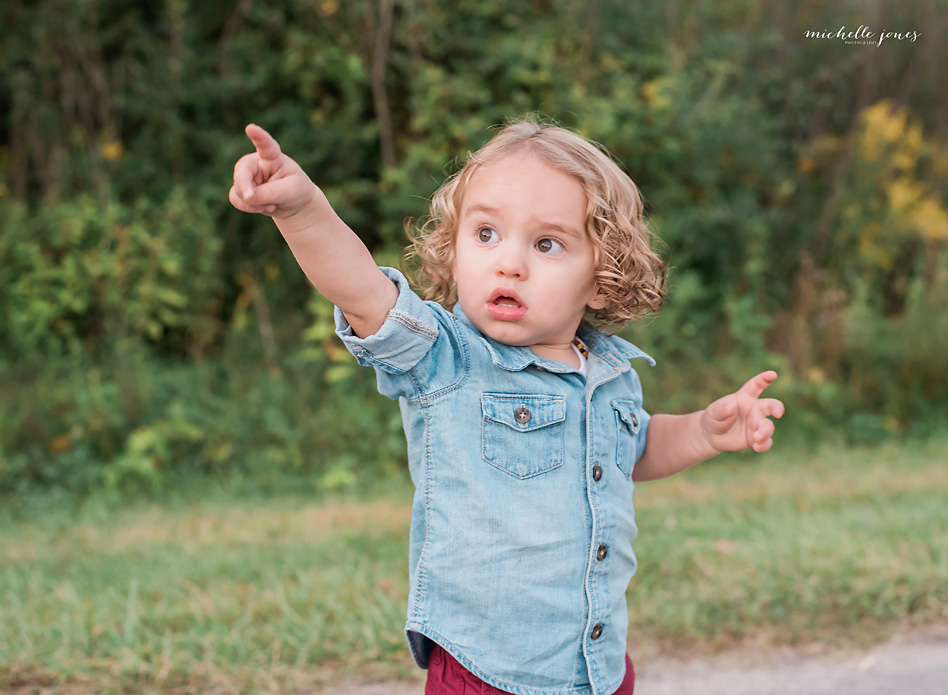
275	192
722	410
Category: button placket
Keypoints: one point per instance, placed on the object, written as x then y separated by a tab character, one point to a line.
597	590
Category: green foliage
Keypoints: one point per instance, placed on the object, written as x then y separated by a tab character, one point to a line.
140	424
82	276
798	185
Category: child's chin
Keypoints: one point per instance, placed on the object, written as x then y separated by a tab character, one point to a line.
506	332
510	338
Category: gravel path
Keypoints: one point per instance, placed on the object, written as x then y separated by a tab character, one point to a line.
912	664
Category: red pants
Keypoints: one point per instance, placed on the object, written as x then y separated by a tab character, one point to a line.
447	677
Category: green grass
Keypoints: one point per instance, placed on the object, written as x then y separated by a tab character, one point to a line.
841	546
235	595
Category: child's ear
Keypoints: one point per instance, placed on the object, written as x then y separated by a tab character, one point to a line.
599	301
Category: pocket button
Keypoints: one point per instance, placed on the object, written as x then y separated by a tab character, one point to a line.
522	415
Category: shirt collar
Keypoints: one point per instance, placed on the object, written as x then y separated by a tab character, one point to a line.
612	350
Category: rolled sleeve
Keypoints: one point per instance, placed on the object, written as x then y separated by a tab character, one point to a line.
409	331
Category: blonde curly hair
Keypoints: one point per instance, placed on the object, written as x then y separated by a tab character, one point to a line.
628	272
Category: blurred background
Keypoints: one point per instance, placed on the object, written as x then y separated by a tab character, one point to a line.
798	181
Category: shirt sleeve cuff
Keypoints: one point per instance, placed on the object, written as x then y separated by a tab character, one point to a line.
409	331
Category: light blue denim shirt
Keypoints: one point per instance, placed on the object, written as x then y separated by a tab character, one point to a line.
522	521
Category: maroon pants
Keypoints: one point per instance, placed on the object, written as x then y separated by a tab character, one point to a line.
447	677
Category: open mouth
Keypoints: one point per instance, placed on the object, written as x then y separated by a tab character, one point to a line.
504	304
506	301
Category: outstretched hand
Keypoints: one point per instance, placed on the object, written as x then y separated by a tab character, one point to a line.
267	181
741	420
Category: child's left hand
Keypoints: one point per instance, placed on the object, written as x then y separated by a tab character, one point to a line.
741	420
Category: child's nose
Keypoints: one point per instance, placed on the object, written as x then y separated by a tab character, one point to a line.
512	262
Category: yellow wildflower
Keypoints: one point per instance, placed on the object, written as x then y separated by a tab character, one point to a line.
112	151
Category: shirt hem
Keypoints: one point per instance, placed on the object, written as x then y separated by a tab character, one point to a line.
453	650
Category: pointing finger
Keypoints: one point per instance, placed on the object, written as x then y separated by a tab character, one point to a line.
756	386
267	147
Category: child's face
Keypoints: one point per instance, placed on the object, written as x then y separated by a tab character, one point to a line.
524	264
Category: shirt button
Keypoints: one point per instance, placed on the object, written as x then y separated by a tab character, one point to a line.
602	552
597	631
522	415
597	472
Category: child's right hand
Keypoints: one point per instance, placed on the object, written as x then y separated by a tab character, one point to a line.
333	257
269	182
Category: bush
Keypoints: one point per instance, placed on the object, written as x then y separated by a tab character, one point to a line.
143	423
81	276
150	329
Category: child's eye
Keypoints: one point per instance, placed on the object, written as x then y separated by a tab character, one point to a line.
550	246
486	235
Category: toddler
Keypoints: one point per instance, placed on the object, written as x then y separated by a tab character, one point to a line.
525	424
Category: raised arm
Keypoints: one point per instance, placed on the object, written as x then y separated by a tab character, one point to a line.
740	420
333	257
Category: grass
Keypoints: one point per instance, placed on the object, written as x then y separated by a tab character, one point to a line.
843	546
281	595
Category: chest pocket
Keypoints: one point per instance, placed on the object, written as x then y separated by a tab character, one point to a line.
523	435
628	423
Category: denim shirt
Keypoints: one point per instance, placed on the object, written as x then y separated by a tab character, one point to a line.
522	520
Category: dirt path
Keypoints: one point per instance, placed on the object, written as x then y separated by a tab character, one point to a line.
915	664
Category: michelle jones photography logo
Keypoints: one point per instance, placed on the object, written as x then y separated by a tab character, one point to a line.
863	35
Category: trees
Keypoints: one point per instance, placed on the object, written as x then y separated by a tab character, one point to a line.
798	182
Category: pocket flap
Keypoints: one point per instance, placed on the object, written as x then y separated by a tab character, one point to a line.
523	412
626	411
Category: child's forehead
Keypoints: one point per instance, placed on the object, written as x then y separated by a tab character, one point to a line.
515	166
522	154
524	174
